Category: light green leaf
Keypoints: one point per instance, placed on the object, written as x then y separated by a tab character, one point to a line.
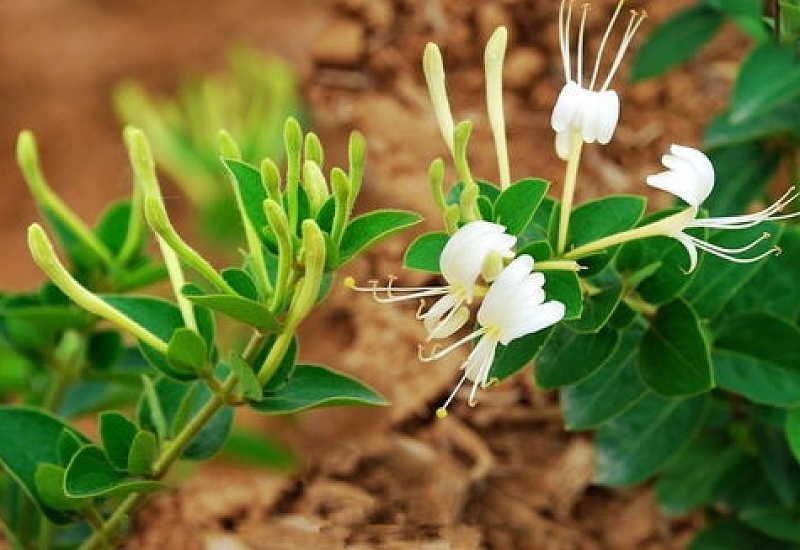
312	386
424	252
252	191
635	445
242	309
186	351
368	229
674	357
516	205
248	381
49	480
240	281
769	76
143	453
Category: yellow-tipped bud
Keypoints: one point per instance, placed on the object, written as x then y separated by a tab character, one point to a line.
433	67
313	149
228	146
271	178
315	185
493	62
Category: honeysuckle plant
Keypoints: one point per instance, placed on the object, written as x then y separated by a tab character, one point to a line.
162	384
673	334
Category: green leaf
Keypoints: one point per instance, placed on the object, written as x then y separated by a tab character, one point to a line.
748	14
241	282
769	76
242	309
603	217
486	190
112	229
635	445
792	429
285	368
779	523
730	533
777	121
510	359
780	468
691	479
543	225
248	381
773	289
49	480
252	191
597	310
186	351
143	453
104	349
675	41
312	386
424	252
565	287
674	357
117	433
68	444
746	169
368	229
516	205
717	280
569	357
610	390
91	475
762	365
30	437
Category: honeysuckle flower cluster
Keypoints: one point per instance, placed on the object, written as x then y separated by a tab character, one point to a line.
586	109
472	264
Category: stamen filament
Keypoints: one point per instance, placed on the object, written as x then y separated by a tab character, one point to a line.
603	42
726	254
633	25
439	353
579	53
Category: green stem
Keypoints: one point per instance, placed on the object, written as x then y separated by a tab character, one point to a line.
276	354
570	180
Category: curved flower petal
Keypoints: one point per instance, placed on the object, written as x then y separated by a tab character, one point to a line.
689	175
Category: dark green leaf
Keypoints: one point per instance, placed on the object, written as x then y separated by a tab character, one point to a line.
729	534
242	309
746	169
112	229
510	359
565	287
780	468
610	390
597	310
312	386
691	479
569	357
779	523
423	254
252	191
763	364
485	189
792	430
104	349
778	121
516	205
90	475
30	437
284	370
675	41
769	76
674	357
543	225
68	444
717	280
635	445
368	229
117	433
186	351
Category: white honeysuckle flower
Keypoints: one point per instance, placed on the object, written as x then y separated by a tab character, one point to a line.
589	108
469	253
514	306
690	176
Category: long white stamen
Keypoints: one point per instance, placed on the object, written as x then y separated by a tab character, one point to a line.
727	253
563	37
603	44
413	292
633	25
438	354
579	53
441	412
749	220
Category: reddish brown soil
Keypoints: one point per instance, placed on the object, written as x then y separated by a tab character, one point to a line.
502	475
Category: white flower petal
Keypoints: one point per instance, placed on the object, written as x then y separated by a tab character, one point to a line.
689	175
567	105
534	320
563	143
609	110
